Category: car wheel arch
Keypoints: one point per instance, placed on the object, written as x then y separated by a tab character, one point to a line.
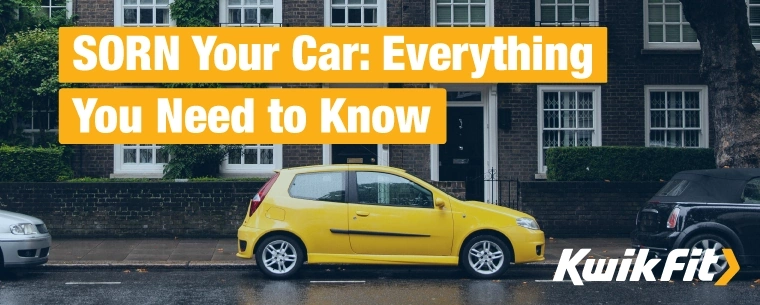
493	233
286	233
711	228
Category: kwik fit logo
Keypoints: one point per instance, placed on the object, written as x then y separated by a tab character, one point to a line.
643	267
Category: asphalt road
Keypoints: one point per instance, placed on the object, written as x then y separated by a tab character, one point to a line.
349	287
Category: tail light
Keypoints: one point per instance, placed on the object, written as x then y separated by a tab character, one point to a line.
256	201
673	218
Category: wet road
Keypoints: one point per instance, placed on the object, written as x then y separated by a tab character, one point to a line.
349	287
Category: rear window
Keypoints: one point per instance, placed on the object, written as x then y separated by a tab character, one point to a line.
324	186
673	188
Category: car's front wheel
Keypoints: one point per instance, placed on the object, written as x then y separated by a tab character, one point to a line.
279	257
710	241
485	257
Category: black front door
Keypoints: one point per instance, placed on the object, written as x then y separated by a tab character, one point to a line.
354	154
461	158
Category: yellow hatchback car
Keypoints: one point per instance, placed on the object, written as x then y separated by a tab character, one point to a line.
370	214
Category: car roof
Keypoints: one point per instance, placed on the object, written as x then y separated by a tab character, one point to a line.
725	173
724	185
333	167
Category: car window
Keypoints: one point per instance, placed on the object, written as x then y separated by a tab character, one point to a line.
325	186
387	189
751	192
674	187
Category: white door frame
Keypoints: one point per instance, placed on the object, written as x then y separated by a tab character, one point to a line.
490	130
382	149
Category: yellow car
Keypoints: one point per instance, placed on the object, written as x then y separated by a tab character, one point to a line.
370	214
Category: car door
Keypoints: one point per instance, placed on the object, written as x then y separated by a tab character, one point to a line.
747	223
392	215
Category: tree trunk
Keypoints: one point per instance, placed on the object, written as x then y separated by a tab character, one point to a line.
731	68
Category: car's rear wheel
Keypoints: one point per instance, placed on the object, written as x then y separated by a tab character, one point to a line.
710	241
279	257
485	257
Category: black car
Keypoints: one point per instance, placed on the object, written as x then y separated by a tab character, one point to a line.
716	208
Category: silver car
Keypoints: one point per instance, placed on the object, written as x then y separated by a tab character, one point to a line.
24	240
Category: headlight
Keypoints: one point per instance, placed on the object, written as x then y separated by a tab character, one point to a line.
23	229
527	223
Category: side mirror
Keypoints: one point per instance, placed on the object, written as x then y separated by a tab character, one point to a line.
439	202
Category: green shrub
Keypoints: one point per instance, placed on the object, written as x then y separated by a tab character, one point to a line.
33	164
192	161
624	163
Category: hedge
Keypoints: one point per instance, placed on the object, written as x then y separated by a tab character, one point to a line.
624	163
33	164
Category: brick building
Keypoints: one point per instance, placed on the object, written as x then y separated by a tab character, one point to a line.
654	96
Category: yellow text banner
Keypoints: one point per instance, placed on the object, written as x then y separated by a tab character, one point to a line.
333	54
237	115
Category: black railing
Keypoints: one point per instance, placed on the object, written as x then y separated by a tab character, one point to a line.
493	189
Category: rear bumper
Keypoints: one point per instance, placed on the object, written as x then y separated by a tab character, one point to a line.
661	243
25	251
247	238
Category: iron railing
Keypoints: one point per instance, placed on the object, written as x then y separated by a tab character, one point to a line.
491	188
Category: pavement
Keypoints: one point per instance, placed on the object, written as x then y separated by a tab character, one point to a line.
180	253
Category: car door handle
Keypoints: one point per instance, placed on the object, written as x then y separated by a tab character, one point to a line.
361	213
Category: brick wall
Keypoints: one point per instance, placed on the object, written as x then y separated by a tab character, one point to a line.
94	12
586	209
113	209
92	160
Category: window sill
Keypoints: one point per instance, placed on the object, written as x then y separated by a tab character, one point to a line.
540	176
137	175
671	51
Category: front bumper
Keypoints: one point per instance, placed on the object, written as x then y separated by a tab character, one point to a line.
528	245
660	243
25	250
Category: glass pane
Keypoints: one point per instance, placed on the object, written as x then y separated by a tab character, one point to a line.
565	13
267	2
689	35
551	100
675	100
250	15
675	118
581	1
57	11
461	14
478	1
251	156
443	14
657	119
754	14
564	1
674	138
267	16
146	15
655	33
235	15
354	15
442	1
657	100
672	33
146	1
691	100
548	1
567	100
551	119
581	13
370	15
370	1
250	2
130	16
54	2
354	1
585	119
585	100
386	189
146	155
162	16
338	1
267	156
338	15
755	32
547	14
478	14
233	2
130	2
568	119
130	155
584	138
162	156
319	186
672	13
551	138
692	119
657	138
162	2
566	138
460	1
655	13
234	157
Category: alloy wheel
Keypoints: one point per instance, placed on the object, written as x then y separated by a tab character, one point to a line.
279	257
486	257
705	244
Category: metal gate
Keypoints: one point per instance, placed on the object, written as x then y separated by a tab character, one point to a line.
501	190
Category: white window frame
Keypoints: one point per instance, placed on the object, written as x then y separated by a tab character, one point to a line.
256	170
382	15
678	45
596	138
135	170
225	20
118	16
47	109
489	14
704	119
756	24
69	8
593	15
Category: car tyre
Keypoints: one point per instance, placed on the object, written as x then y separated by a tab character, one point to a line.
710	241
485	257
279	257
